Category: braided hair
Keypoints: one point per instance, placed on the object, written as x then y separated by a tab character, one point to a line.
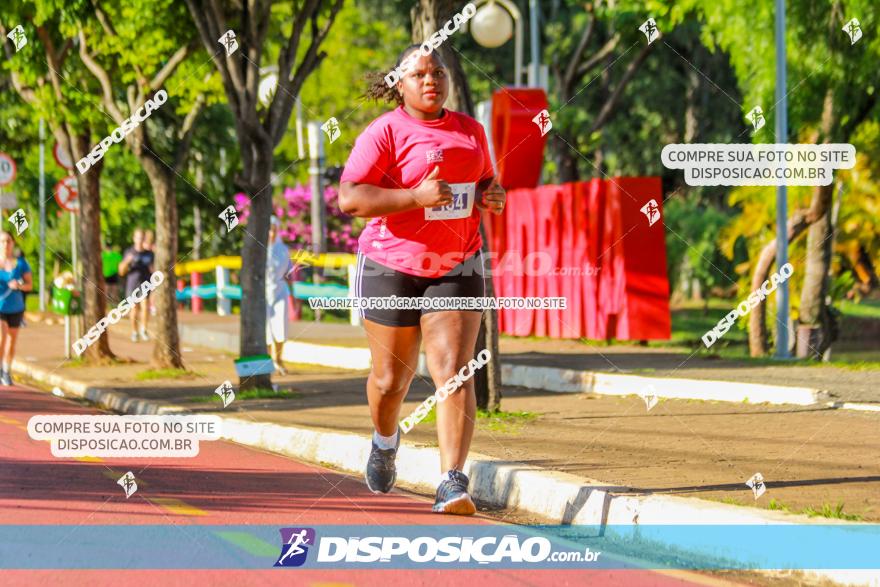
379	91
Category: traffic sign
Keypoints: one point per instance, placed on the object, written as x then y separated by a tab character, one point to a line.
62	157
66	194
7	169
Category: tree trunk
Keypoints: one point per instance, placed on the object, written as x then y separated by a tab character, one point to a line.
253	273
89	242
166	348
814	319
758	344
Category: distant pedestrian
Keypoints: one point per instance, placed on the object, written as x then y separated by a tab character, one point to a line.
137	266
110	259
278	277
15	278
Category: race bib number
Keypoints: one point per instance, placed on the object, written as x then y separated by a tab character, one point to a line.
462	203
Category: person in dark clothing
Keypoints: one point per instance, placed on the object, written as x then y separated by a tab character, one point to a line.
137	266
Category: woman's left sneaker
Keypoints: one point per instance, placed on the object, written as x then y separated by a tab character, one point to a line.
452	496
5	378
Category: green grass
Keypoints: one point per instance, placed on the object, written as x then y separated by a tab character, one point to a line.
151	374
259	393
833	512
495	421
826	511
864	309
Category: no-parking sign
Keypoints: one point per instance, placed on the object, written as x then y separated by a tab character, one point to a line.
62	157
7	169
66	194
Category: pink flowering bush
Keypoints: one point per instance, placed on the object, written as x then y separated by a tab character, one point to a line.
295	215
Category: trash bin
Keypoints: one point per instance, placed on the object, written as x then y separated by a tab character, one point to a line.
66	302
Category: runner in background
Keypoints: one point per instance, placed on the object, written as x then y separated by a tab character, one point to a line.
15	278
137	266
417	172
150	245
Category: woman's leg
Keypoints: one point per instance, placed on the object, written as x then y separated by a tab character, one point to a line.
4	336
395	356
450	338
9	346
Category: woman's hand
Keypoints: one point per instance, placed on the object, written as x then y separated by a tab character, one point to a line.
14	284
433	192
494	198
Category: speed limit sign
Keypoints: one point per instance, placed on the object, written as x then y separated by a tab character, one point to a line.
66	194
7	169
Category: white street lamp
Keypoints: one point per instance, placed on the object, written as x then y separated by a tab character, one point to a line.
491	27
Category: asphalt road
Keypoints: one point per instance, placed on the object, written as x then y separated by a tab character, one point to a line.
226	484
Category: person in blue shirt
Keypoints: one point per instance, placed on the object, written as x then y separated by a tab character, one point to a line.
15	278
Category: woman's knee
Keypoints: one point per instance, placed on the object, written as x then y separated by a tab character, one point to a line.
390	383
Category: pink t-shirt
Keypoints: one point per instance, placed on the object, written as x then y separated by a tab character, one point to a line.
398	151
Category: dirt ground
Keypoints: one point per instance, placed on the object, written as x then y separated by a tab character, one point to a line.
810	457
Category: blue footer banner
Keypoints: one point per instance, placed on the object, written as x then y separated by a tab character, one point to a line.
460	546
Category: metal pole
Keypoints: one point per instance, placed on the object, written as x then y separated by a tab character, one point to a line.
316	162
42	216
535	65
781	202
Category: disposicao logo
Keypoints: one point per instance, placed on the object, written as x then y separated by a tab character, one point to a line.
294	546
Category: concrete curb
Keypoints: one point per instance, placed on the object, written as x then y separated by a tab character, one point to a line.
559	497
544	378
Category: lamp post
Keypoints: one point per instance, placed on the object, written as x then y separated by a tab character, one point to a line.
492	26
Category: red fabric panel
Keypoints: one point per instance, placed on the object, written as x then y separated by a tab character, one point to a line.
519	146
646	305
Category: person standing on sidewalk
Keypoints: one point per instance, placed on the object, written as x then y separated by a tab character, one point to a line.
15	278
278	277
417	172
137	266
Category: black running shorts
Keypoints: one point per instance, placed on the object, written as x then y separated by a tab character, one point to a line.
466	280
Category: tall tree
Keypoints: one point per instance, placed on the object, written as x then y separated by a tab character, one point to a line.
831	92
45	77
260	130
127	83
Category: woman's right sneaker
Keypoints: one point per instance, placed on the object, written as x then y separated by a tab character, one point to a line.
452	496
381	471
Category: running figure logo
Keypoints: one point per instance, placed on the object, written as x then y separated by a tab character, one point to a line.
854	30
18	38
225	392
331	127
229	217
294	546
128	483
542	119
756	483
649	27
650	396
756	116
652	211
19	221
229	41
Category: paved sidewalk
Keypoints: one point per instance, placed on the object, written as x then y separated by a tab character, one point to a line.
810	456
846	385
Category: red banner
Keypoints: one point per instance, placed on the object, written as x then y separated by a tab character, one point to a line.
591	243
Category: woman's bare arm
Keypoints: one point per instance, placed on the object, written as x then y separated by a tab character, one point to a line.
369	201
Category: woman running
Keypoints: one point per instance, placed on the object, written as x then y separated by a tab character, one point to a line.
417	172
15	278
